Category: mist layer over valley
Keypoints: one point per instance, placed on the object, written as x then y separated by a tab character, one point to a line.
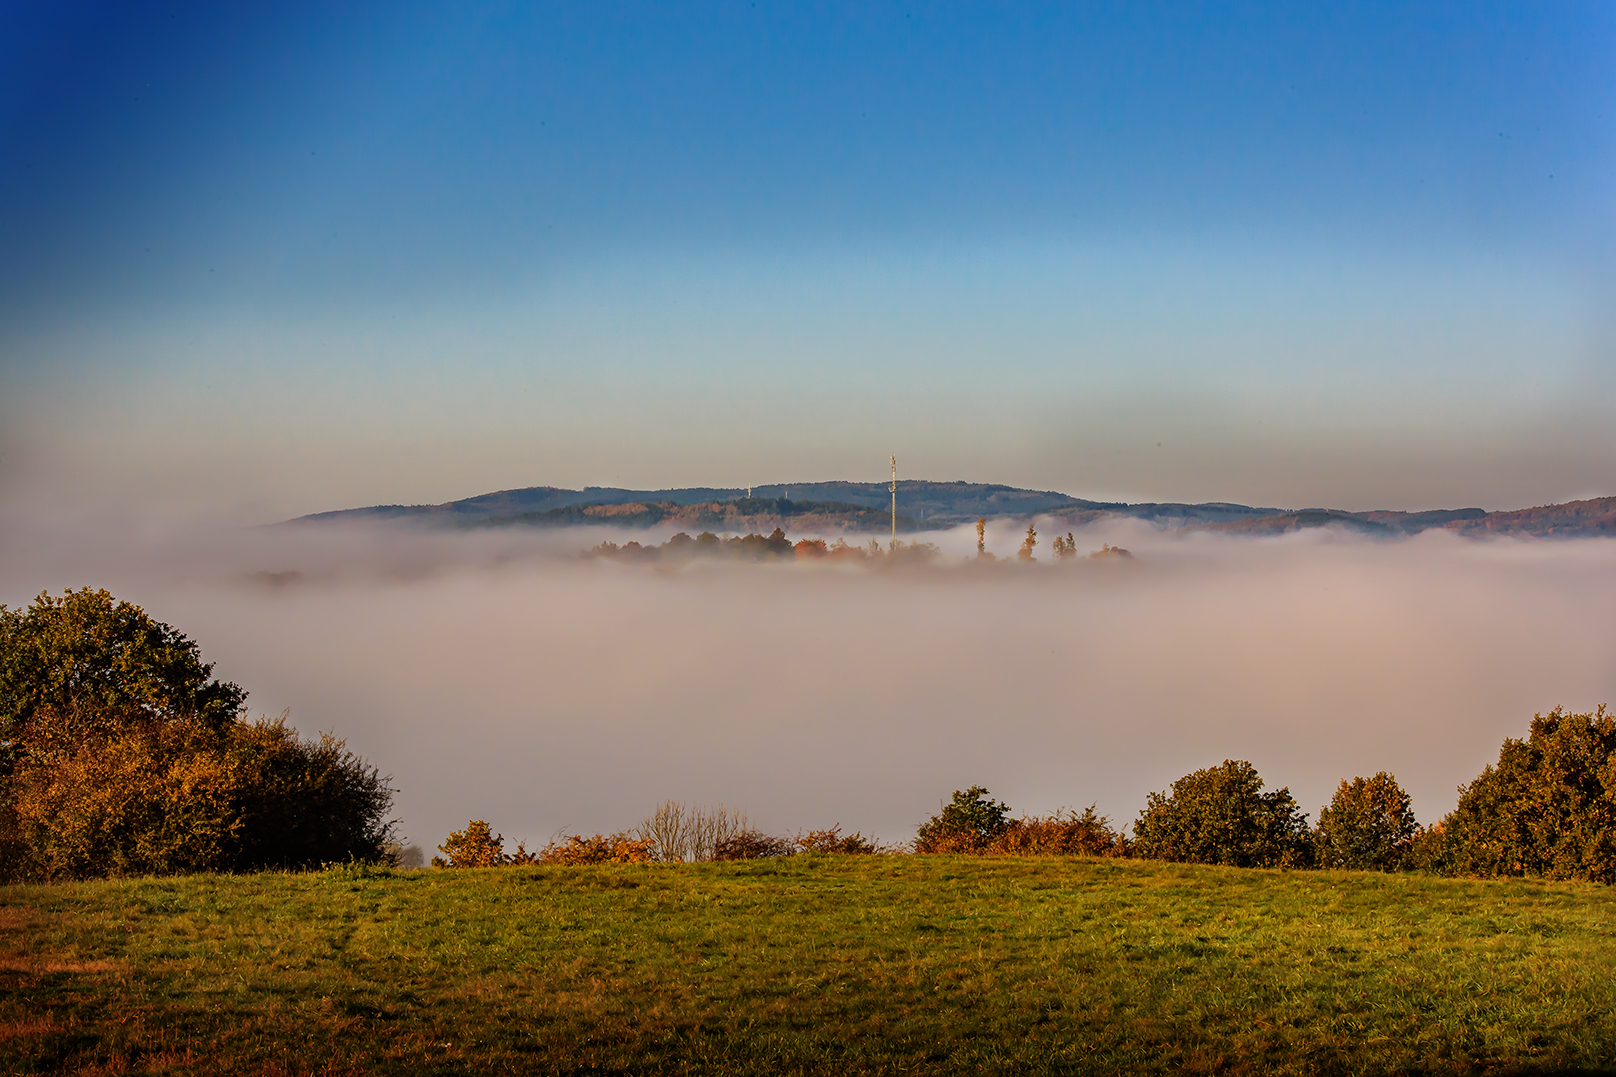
498	676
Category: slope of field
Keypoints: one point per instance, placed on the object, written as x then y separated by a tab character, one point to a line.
810	964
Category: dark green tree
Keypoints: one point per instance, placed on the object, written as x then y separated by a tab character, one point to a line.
72	665
1221	816
1368	826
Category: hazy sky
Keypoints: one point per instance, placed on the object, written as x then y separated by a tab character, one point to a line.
317	255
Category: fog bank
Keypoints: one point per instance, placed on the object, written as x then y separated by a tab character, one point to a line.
496	677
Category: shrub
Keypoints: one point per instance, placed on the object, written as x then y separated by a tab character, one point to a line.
679	832
477	846
753	845
121	754
1221	816
1547	808
1066	833
967	824
621	848
171	797
1368	825
832	842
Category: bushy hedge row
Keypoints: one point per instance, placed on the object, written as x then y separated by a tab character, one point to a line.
1547	808
478	846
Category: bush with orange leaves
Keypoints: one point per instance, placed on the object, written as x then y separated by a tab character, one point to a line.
121	754
833	842
176	797
1066	833
600	849
756	845
974	824
478	846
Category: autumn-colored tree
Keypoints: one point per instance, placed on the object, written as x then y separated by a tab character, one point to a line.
1548	807
967	823
119	754
1368	825
1027	544
981	536
477	846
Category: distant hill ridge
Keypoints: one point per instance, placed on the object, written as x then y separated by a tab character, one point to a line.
927	505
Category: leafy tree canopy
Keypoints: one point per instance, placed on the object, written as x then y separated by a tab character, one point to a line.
1547	808
1369	825
1221	816
72	664
121	754
971	815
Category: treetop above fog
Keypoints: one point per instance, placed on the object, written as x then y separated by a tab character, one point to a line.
85	654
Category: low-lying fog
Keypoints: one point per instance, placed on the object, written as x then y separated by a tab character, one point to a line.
496	677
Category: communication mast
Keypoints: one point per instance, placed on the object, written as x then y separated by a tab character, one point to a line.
894	503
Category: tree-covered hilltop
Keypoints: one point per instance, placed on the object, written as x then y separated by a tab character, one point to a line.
928	504
924	504
740	514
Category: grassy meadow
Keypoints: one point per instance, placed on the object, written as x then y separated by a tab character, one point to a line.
843	964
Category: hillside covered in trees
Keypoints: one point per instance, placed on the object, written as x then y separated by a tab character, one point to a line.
831	507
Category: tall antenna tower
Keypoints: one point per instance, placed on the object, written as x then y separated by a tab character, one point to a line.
894	544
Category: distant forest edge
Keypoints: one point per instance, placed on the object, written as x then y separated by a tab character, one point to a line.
925	506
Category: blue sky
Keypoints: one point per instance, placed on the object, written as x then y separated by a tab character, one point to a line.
255	263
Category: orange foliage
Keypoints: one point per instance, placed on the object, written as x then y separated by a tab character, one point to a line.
162	797
1062	834
599	849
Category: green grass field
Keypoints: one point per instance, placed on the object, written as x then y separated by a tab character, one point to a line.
899	964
